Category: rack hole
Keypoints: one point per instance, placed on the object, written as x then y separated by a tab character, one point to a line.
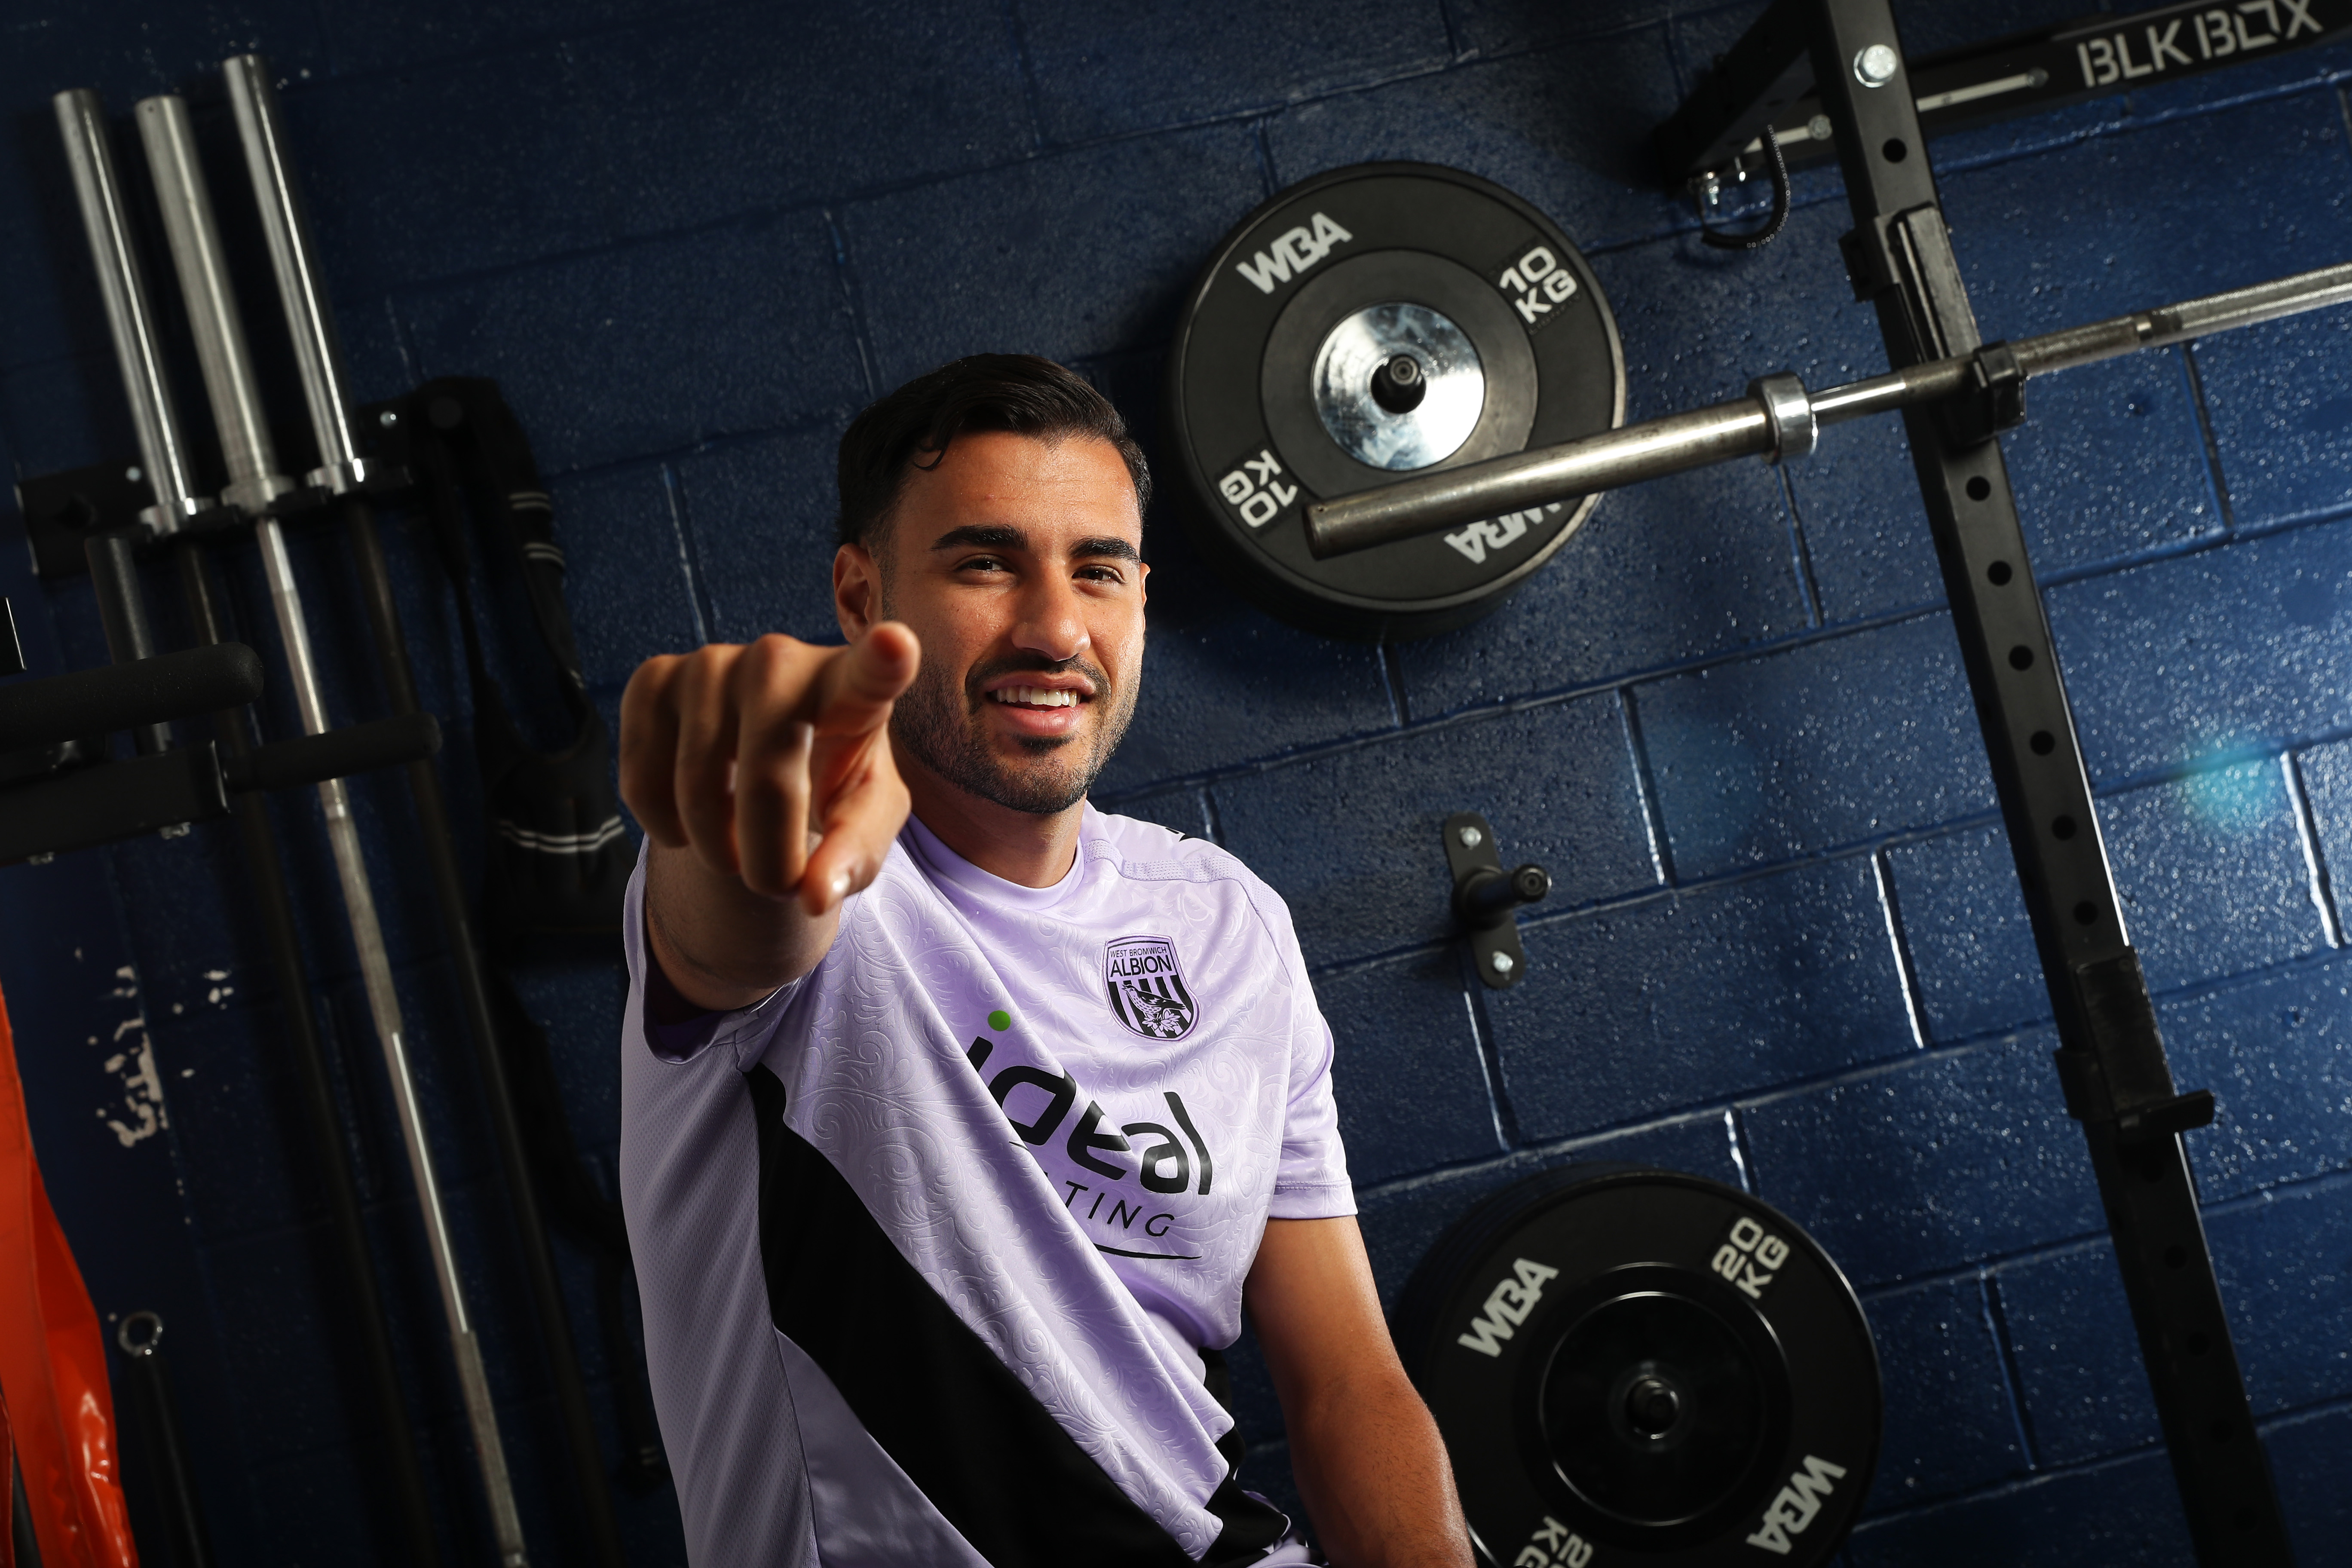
2021	658
1895	151
1980	487
2043	742
2085	912
2245	1519
1998	574
2221	1430
2176	1256
2198	1344
2062	827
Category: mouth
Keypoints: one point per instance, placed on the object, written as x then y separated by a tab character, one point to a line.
1035	697
1035	707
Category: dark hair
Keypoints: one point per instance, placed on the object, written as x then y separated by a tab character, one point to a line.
1019	392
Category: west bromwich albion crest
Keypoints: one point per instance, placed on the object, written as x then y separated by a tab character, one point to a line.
1147	987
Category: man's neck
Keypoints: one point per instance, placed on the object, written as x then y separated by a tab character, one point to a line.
1022	847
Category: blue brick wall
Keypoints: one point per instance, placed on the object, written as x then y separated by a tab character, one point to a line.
1787	948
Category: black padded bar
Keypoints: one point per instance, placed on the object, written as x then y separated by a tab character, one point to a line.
123	696
94	805
338	753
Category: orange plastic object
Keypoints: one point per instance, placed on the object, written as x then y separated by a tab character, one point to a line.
53	1362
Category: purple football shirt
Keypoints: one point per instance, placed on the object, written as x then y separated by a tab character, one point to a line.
938	1244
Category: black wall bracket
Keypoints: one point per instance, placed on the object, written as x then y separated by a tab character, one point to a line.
1486	898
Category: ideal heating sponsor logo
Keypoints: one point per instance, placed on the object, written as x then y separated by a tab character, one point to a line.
1507	1306
1162	1153
1293	253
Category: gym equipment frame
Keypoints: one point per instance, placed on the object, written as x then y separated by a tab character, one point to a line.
1956	392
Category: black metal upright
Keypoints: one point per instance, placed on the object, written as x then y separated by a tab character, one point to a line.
2111	1062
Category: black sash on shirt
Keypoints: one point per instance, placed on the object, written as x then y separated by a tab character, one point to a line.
966	1430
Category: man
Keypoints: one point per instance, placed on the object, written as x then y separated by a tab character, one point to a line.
954	1142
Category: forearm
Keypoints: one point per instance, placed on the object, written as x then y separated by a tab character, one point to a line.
1374	1476
722	945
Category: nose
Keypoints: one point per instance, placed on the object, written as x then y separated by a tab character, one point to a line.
1053	622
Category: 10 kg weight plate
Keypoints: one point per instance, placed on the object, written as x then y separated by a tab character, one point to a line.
1369	323
1636	1365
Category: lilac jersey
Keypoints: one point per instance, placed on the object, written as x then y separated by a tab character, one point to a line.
939	1244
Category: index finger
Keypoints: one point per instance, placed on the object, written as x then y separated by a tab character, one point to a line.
855	692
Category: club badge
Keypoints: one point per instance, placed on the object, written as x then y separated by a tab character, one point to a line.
1147	987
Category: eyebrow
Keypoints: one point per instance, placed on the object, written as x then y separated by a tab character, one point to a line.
999	536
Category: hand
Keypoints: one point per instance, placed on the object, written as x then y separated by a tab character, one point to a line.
770	761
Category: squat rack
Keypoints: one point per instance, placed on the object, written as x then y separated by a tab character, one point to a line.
1955	393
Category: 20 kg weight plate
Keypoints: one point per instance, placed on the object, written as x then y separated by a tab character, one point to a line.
1637	1365
1367	324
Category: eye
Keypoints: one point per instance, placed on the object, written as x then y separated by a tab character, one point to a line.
982	564
1102	573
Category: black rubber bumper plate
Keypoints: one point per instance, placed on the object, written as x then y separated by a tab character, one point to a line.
1285	387
1637	1365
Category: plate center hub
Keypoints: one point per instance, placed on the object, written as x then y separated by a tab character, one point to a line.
1399	386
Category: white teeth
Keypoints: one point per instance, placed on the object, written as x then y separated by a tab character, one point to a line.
1035	697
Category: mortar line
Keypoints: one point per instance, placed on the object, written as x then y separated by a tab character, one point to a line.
1802	549
1645	790
845	277
1392	677
2214	476
1027	66
689	557
1906	973
2307	830
1996	1317
1505	1116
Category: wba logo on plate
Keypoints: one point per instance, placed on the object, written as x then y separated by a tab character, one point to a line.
1147	987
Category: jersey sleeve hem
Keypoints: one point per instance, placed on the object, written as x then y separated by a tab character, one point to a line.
1325	1201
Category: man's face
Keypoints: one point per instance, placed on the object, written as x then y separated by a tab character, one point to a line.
1017	563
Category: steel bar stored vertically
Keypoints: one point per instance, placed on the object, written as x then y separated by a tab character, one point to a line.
347	473
254	483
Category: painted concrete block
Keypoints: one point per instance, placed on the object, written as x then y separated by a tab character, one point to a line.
2272	1052
2284	1262
2124	1514
1965	929
2110	464
641	350
1109	72
2281	403
2124	223
2078	1363
2212	874
1832	743
1565	129
1950	1427
1069	256
1351	839
2240	648
1225	684
626	573
1666	572
1857	500
650	128
2307	1463
1184	811
1679	1001
1931	1163
759	520
1405	1069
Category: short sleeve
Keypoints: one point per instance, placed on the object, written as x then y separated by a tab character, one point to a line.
665	1024
1311	1182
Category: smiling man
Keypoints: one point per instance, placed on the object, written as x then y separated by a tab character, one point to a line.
961	1121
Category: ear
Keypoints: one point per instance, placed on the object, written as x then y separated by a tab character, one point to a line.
856	590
